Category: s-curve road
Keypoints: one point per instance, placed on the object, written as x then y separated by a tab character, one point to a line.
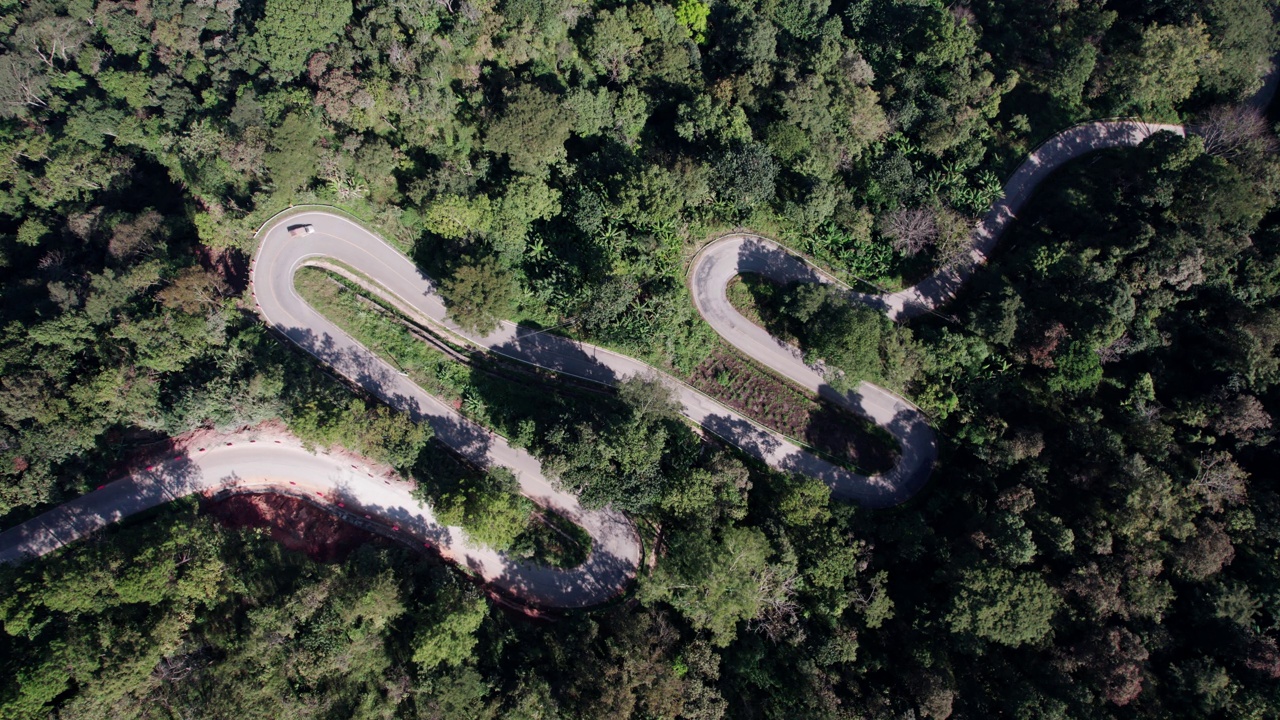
337	238
1068	145
723	259
719	261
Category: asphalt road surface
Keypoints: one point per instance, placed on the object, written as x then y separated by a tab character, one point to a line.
1057	151
377	499
720	261
336	238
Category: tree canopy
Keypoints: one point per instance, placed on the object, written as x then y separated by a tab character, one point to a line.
1100	534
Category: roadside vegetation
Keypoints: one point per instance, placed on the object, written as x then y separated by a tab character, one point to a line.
1099	537
847	439
854	341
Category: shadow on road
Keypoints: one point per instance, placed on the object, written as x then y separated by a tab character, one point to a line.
784	268
749	438
555	353
602	576
145	488
375	377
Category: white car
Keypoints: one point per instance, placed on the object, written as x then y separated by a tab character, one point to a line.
300	230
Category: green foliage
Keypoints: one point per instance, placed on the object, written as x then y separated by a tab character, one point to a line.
1002	606
745	176
830	327
488	508
448	637
804	502
852	251
1239	36
179	611
479	296
1077	370
531	131
635	461
379	432
132	88
291	30
1117	360
717	584
613	45
454	218
693	15
1164	69
32	231
711	493
291	158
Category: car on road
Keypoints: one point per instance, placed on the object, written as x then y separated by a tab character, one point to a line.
300	230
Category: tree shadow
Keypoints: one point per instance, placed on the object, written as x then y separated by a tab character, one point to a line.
374	376
845	435
907	477
606	573
555	353
784	268
746	436
608	569
897	417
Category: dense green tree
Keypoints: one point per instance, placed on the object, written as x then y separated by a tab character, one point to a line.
448	637
1242	37
1076	370
636	461
291	30
531	131
1163	70
846	335
457	218
487	508
1010	608
291	159
479	295
379	432
613	45
717	584
693	15
1102	392
745	176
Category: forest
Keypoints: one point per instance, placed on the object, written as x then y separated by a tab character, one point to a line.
1099	538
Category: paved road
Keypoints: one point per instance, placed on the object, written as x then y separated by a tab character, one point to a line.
709	276
1062	148
243	463
347	242
1261	100
720	261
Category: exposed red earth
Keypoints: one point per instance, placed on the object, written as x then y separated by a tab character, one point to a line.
296	524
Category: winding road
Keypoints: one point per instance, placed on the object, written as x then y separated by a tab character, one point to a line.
372	495
350	244
239	464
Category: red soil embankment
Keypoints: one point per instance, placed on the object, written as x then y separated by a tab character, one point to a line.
294	523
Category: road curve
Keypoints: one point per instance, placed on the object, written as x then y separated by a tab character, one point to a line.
285	467
1068	145
337	238
251	462
709	276
721	260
